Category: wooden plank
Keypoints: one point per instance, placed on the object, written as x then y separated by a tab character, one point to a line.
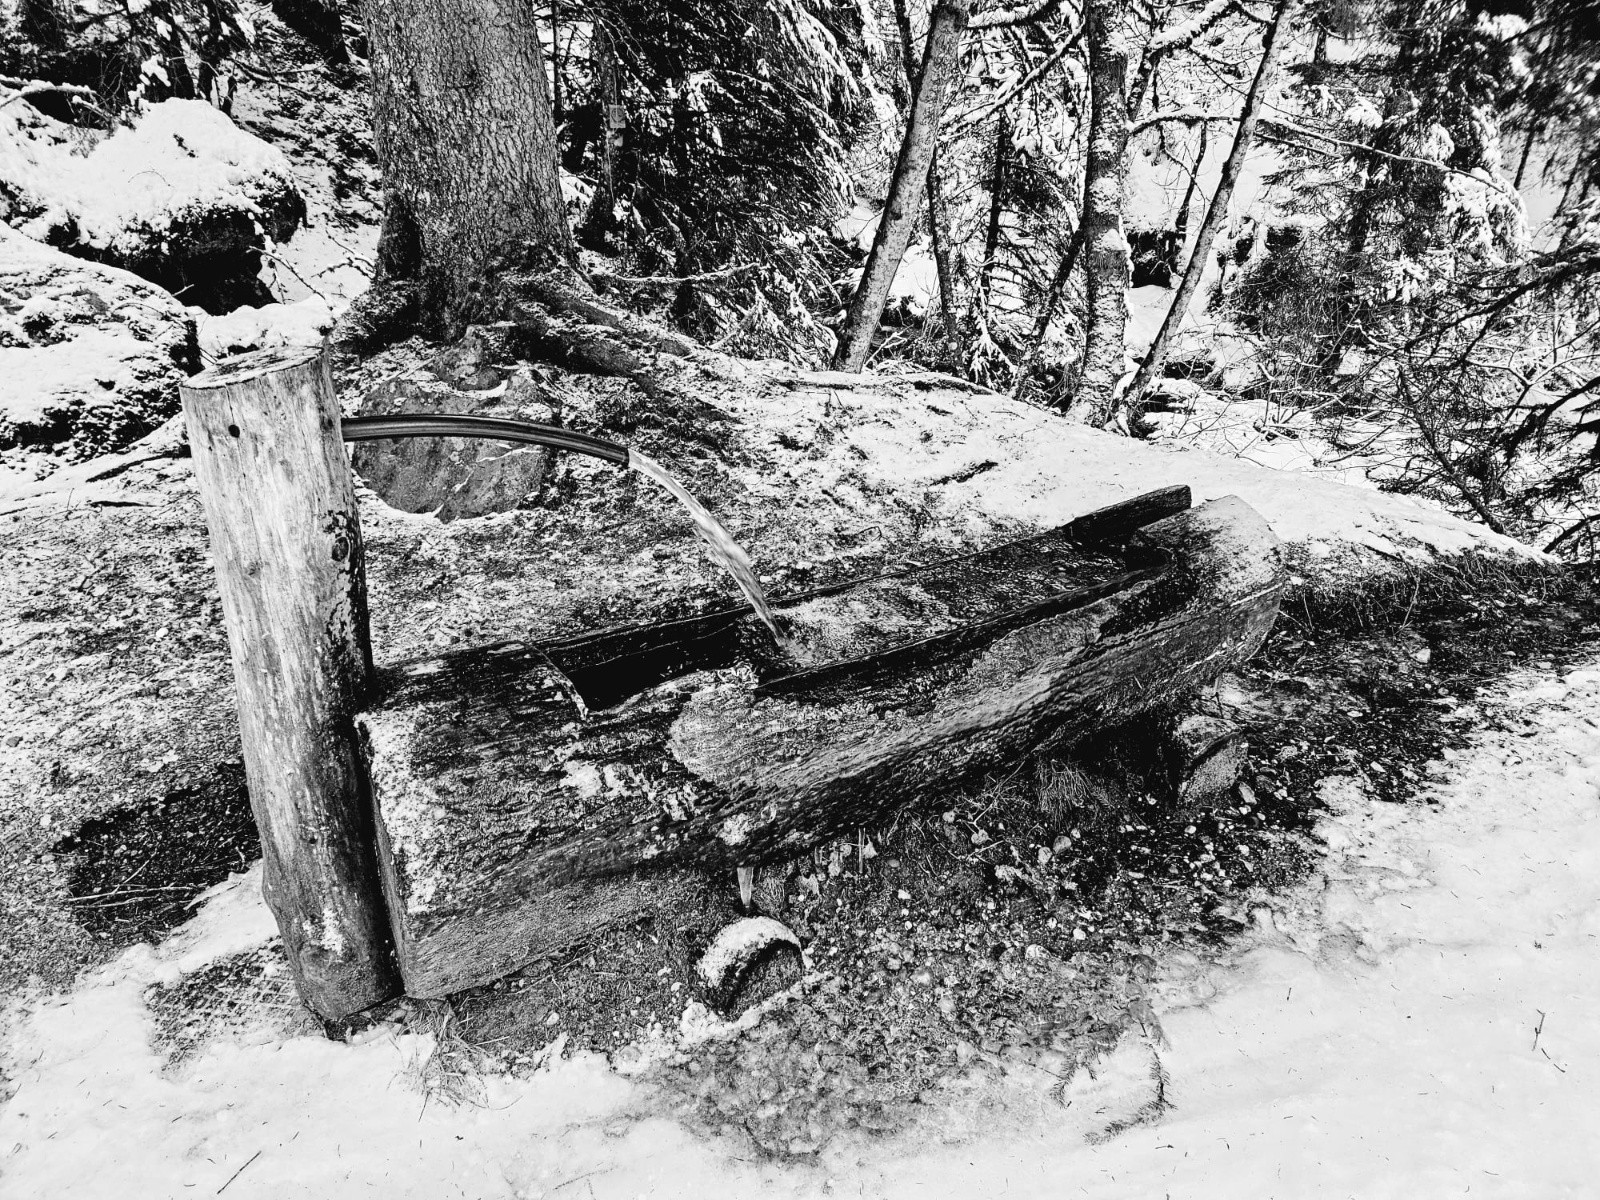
516	819
264	431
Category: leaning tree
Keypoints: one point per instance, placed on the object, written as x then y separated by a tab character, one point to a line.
461	110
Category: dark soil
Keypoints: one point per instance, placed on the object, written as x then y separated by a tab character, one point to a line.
134	871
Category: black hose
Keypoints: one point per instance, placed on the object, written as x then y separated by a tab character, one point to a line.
409	425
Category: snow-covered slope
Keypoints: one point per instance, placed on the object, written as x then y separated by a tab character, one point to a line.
988	460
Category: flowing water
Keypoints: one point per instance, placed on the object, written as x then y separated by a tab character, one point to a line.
723	548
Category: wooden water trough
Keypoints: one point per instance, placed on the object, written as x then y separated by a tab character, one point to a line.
491	805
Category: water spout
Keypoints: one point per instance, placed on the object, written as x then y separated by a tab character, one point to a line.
726	551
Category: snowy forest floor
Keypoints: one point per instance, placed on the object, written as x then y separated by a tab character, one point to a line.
1409	1019
1023	977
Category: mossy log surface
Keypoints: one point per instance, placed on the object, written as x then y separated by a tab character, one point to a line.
529	794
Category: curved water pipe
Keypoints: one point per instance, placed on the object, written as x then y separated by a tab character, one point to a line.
409	425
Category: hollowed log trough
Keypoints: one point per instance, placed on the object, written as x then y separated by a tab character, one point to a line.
528	794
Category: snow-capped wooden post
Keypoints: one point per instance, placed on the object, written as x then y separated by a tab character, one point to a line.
281	508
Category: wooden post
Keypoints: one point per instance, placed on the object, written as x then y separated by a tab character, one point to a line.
281	508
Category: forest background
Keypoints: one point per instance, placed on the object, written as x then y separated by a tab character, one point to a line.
1371	250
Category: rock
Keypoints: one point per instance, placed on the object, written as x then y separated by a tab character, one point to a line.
90	356
748	961
1173	395
246	328
1208	756
184	198
456	477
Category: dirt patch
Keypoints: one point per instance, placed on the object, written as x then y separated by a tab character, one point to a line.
135	871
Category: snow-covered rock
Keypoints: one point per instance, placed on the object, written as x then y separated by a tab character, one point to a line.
303	323
90	356
184	197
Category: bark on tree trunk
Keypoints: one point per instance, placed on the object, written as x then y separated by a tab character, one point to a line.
598	218
1106	257
1180	228
1271	42
936	236
461	112
997	184
939	65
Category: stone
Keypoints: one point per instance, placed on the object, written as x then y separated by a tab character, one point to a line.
456	477
1210	755
90	356
183	198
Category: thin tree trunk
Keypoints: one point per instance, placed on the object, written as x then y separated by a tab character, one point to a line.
1271	43
997	185
1527	148
1181	225
941	256
598	217
461	112
936	235
1105	245
939	64
1041	324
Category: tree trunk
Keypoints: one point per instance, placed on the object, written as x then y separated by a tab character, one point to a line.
1180	227
997	186
936	236
1271	42
1106	326
599	217
286	541
461	112
1047	310
1527	148
939	65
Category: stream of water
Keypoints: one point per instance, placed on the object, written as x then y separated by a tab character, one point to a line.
723	548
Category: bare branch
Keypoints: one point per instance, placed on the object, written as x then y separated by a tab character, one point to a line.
1187	116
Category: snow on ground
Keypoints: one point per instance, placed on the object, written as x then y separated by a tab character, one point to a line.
1417	1021
985	459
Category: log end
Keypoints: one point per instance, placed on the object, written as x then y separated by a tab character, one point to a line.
242	368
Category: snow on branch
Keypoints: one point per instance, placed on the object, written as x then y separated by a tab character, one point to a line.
980	113
1187	116
1181	36
24	88
996	18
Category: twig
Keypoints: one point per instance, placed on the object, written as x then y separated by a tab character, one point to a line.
135	892
670	280
239	1172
